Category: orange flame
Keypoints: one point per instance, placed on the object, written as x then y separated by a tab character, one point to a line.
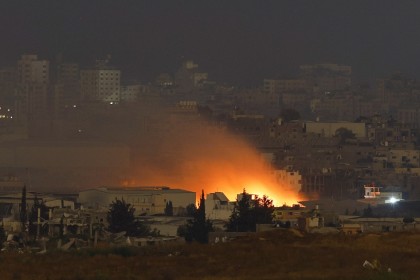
198	156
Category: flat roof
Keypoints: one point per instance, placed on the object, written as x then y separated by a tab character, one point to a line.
137	189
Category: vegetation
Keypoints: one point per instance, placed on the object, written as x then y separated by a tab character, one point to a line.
278	254
368	212
169	209
121	218
343	134
191	210
247	213
198	228
2	236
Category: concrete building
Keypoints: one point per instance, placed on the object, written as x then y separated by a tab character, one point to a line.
374	196
379	224
32	70
101	84
328	129
130	93
8	79
10	204
289	214
404	158
146	200
322	78
188	78
66	89
291	178
218	206
32	86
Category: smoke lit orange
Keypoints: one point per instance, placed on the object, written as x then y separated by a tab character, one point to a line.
194	156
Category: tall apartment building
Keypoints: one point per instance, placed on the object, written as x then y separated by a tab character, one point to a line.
130	93
32	86
321	78
66	89
187	78
7	84
68	75
101	84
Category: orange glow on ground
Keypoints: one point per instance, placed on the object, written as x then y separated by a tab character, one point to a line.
197	157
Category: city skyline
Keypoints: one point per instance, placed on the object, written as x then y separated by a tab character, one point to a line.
237	43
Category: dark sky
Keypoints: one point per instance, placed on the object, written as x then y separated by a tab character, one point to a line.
235	41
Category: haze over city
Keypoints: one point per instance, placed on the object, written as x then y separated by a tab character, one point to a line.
133	133
237	42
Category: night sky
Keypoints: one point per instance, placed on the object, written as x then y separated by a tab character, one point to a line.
238	42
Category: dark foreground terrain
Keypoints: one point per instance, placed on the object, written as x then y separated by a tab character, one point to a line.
283	254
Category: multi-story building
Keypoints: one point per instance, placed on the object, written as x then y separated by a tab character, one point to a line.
7	84
145	200
329	129
101	84
32	86
32	70
404	158
321	78
66	89
409	116
188	77
130	93
218	206
291	178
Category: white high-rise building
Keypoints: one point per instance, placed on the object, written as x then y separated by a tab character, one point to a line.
101	85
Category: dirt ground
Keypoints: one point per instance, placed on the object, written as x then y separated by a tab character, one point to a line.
281	254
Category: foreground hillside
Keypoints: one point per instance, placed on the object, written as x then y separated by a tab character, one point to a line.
284	254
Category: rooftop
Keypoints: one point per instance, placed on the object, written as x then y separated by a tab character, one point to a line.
137	189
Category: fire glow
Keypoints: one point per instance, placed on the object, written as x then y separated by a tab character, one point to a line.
198	156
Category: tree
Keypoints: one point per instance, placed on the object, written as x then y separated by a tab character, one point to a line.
344	134
191	210
240	219
368	212
121	218
23	209
199	227
247	213
2	236
263	208
169	209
